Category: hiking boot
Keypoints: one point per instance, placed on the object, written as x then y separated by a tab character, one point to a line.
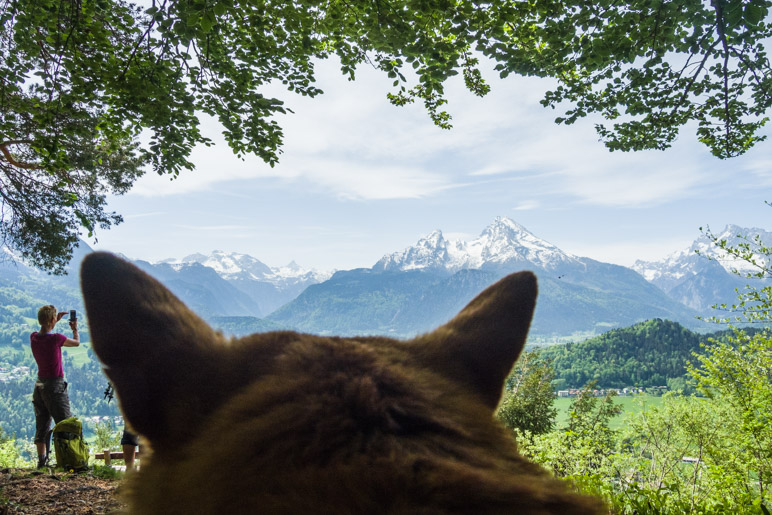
43	461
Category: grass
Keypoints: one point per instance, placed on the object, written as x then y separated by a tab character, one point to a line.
7	350
630	406
79	354
105	472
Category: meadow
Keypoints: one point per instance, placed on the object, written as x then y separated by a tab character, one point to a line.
630	405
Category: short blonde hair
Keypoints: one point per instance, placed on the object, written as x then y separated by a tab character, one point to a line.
46	314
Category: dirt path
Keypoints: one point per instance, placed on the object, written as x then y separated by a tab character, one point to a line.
26	491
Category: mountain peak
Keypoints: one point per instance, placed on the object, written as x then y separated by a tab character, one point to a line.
703	275
503	224
239	266
504	244
504	229
736	236
435	237
429	253
193	258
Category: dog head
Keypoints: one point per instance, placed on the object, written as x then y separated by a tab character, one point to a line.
284	422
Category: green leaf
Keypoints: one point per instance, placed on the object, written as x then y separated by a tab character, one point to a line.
207	22
158	67
733	12
754	13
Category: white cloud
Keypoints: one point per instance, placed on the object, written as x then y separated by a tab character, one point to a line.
527	205
353	144
135	216
365	180
217	228
493	169
576	165
760	168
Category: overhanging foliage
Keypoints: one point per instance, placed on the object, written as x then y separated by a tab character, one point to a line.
80	80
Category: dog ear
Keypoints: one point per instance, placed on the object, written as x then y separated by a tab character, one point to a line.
160	357
481	344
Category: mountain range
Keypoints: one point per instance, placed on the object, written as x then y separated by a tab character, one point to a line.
260	289
702	275
411	291
503	246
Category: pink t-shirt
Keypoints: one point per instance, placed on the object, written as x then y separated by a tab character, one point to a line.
47	349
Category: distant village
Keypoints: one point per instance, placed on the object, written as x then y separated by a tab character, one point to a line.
622	392
116	421
13	373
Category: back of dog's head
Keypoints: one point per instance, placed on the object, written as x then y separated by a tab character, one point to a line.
290	423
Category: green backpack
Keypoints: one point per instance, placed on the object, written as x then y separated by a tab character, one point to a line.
71	450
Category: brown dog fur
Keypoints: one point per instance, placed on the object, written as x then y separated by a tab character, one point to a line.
292	423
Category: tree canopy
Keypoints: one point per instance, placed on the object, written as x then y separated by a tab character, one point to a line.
81	80
649	67
528	401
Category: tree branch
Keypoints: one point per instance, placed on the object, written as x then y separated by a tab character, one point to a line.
10	158
139	41
721	29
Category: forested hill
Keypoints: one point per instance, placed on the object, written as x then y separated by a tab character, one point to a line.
651	353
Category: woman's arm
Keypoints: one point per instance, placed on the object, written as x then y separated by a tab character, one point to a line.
75	340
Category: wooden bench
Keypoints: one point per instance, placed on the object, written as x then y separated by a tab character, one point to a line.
108	455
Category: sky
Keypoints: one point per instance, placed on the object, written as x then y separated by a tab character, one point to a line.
360	178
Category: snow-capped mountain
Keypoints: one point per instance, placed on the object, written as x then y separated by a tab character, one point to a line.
267	287
703	275
504	244
689	261
234	265
409	292
412	291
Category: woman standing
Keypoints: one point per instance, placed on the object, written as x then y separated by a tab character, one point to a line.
50	397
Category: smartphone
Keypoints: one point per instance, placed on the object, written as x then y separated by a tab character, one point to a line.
73	316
